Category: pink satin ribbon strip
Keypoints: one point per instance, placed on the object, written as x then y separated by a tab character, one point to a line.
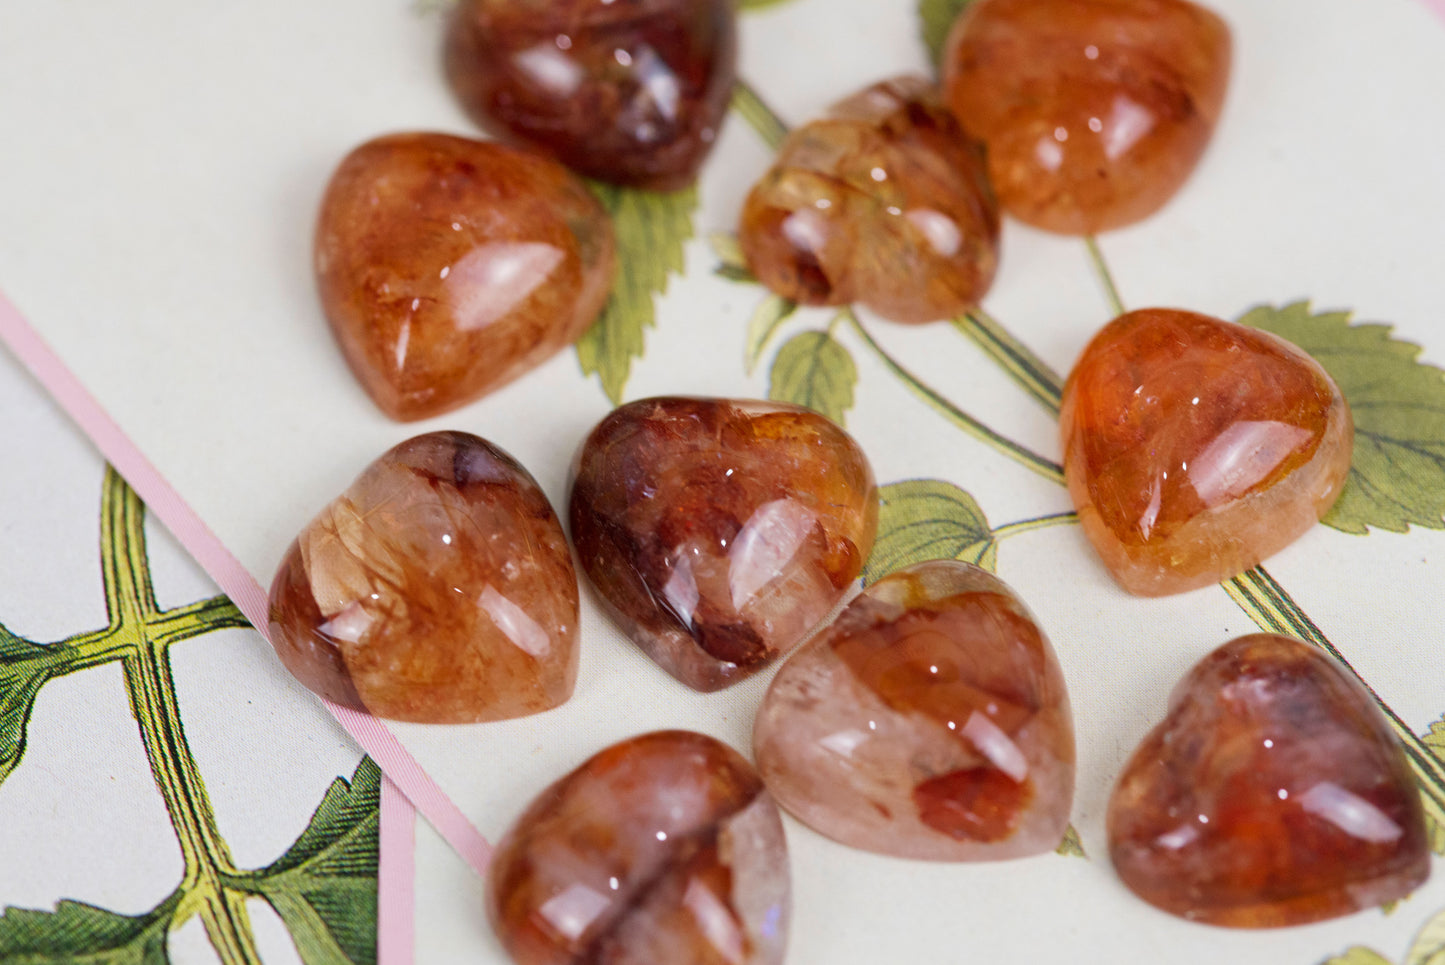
410	785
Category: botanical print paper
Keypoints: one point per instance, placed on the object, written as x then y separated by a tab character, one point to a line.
164	795
174	279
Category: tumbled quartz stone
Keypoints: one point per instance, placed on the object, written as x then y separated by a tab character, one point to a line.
930	720
1273	793
626	91
438	588
448	267
718	532
665	848
884	201
1095	112
1194	448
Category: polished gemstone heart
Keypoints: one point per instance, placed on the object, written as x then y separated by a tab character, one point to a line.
718	532
1274	793
438	588
930	720
448	267
662	850
1094	111
1195	448
630	92
885	202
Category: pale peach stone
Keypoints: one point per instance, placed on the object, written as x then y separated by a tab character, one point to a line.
930	720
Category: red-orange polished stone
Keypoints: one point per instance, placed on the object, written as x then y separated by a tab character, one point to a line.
930	720
438	588
662	850
884	201
718	532
627	91
1273	793
1094	111
1194	448
448	267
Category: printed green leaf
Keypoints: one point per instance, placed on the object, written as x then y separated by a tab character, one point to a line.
1434	739
750	5
1429	946
1397	478
732	263
936	18
80	934
815	370
928	519
24	669
1359	955
1071	846
651	230
767	319
324	886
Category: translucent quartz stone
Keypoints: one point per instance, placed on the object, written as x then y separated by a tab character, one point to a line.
1094	111
719	532
448	267
662	850
1274	793
884	201
929	721
438	588
632	92
1195	448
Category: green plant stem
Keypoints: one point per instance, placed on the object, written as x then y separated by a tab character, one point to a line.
132	610
1031	373
1025	457
1038	522
1101	268
760	117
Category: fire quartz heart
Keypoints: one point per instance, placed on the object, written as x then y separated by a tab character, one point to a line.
448	267
665	848
1194	448
438	588
626	91
930	720
718	532
1273	793
1094	111
884	201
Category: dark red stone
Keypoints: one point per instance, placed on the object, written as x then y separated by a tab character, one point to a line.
719	532
1274	793
627	91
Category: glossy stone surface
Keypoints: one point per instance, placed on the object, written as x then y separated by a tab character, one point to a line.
1094	111
665	848
885	202
930	720
1274	793
448	267
1195	448
437	588
718	532
627	91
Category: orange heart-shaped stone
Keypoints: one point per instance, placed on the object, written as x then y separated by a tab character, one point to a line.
438	588
448	267
1194	448
718	532
1274	793
930	720
884	201
1094	111
665	849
